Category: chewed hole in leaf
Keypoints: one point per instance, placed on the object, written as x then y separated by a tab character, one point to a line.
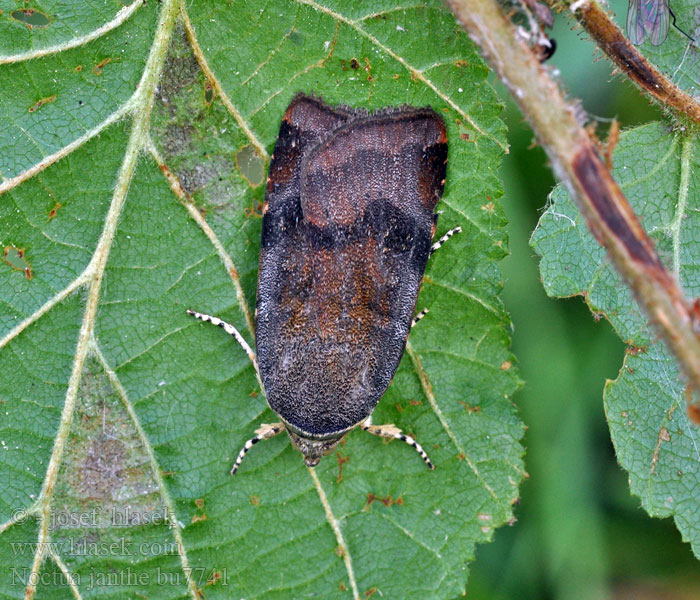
31	17
251	165
208	93
17	260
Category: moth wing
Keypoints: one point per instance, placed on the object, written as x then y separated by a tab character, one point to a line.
636	31
349	268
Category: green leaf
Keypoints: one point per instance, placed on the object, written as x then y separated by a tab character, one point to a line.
134	193
653	436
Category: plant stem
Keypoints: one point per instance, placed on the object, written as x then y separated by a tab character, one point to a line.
577	163
631	62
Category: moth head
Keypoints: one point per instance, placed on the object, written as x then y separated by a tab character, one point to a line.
313	449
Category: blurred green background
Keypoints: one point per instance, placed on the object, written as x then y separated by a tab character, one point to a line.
580	535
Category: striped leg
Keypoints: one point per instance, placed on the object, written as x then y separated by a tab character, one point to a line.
264	432
418	317
433	249
391	431
443	239
228	328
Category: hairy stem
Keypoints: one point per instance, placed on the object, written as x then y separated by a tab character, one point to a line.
577	163
624	54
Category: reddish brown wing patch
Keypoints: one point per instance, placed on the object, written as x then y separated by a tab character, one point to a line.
346	237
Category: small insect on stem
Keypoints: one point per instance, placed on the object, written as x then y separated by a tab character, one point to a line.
650	18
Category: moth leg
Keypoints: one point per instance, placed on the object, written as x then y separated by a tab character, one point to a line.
264	432
392	431
443	239
433	249
418	317
228	328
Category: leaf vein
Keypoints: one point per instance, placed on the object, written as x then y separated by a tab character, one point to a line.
165	496
466	294
216	84
686	155
428	391
118	114
419	74
122	15
335	526
143	101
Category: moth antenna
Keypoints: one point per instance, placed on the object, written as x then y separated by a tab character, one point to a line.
391	431
264	432
443	239
418	317
228	328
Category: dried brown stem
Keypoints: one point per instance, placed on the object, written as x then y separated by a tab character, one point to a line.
577	163
624	54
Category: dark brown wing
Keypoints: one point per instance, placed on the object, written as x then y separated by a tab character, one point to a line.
342	258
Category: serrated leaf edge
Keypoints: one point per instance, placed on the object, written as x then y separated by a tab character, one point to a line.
139	106
419	74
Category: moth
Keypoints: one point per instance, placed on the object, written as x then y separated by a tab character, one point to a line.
348	222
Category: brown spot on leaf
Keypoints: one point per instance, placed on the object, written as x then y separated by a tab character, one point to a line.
693	408
99	67
54	210
255	501
469	408
386	501
39	103
342	461
663	437
368	69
